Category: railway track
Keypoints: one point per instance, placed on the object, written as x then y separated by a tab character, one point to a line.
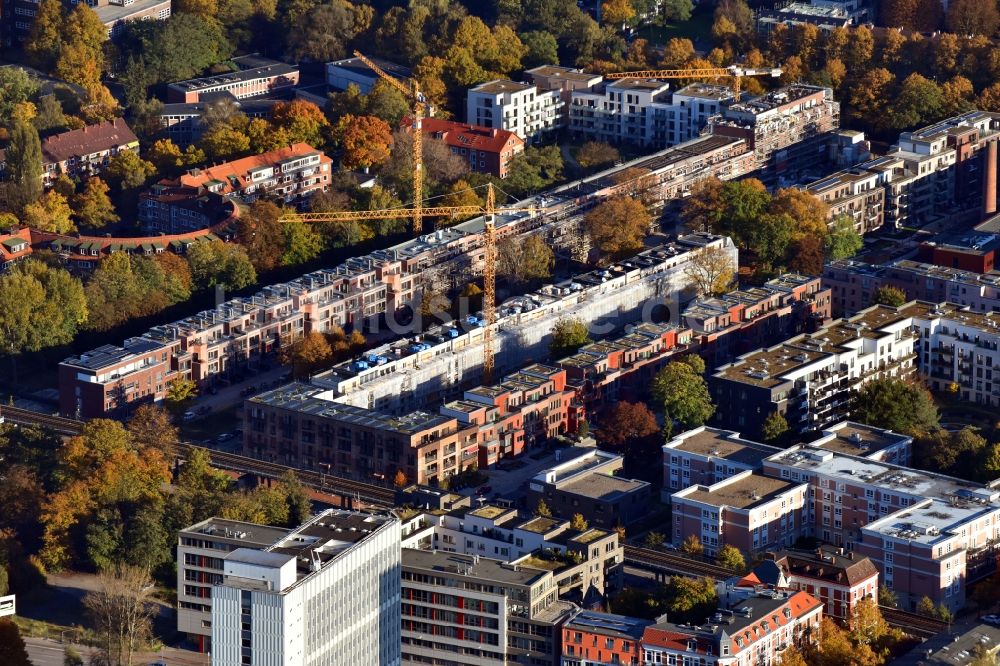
918	625
672	562
369	493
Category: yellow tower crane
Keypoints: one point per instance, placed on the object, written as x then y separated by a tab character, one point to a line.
735	71
488	212
412	90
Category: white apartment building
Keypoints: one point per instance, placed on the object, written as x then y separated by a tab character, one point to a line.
201	550
520	108
326	594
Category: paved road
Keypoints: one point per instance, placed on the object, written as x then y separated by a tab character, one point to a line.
46	652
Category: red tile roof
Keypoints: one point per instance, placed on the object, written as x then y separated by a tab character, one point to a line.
88	140
8	241
238	169
475	137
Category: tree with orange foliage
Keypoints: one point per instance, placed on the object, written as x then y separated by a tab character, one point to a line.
626	427
304	121
617	12
365	140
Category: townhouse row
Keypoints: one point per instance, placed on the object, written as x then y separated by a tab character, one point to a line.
752	631
357	293
306	426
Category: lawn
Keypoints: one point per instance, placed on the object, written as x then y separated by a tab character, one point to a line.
698	29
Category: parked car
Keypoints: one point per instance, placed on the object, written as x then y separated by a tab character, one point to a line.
225	437
189	416
991	619
484	490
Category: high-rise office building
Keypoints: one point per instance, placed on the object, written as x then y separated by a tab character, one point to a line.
325	594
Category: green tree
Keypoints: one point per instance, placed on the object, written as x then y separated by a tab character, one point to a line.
925	607
45	39
896	404
731	558
886	597
568	335
770	238
181	390
50	114
201	487
39	307
654	540
93	207
542	509
23	166
533	170
683	396
919	101
217	263
296	498
675	11
889	295
690	599
302	243
774	427
16	88
542	48
386	102
842	241
180	47
128	170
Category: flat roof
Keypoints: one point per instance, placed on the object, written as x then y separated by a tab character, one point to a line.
107	355
740	492
606	624
473	567
723	444
111	14
858	439
257	557
603	486
501	86
237	531
275	70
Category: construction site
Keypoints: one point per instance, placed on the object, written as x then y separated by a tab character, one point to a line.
437	365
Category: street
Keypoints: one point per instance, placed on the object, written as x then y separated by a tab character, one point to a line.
47	652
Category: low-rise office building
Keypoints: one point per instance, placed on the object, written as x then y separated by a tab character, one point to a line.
587	565
341	74
928	534
461	610
182	121
705	455
588	485
254	77
201	550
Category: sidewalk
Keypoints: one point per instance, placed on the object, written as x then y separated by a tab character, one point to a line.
49	652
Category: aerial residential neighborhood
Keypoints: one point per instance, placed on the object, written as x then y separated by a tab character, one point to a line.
498	332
